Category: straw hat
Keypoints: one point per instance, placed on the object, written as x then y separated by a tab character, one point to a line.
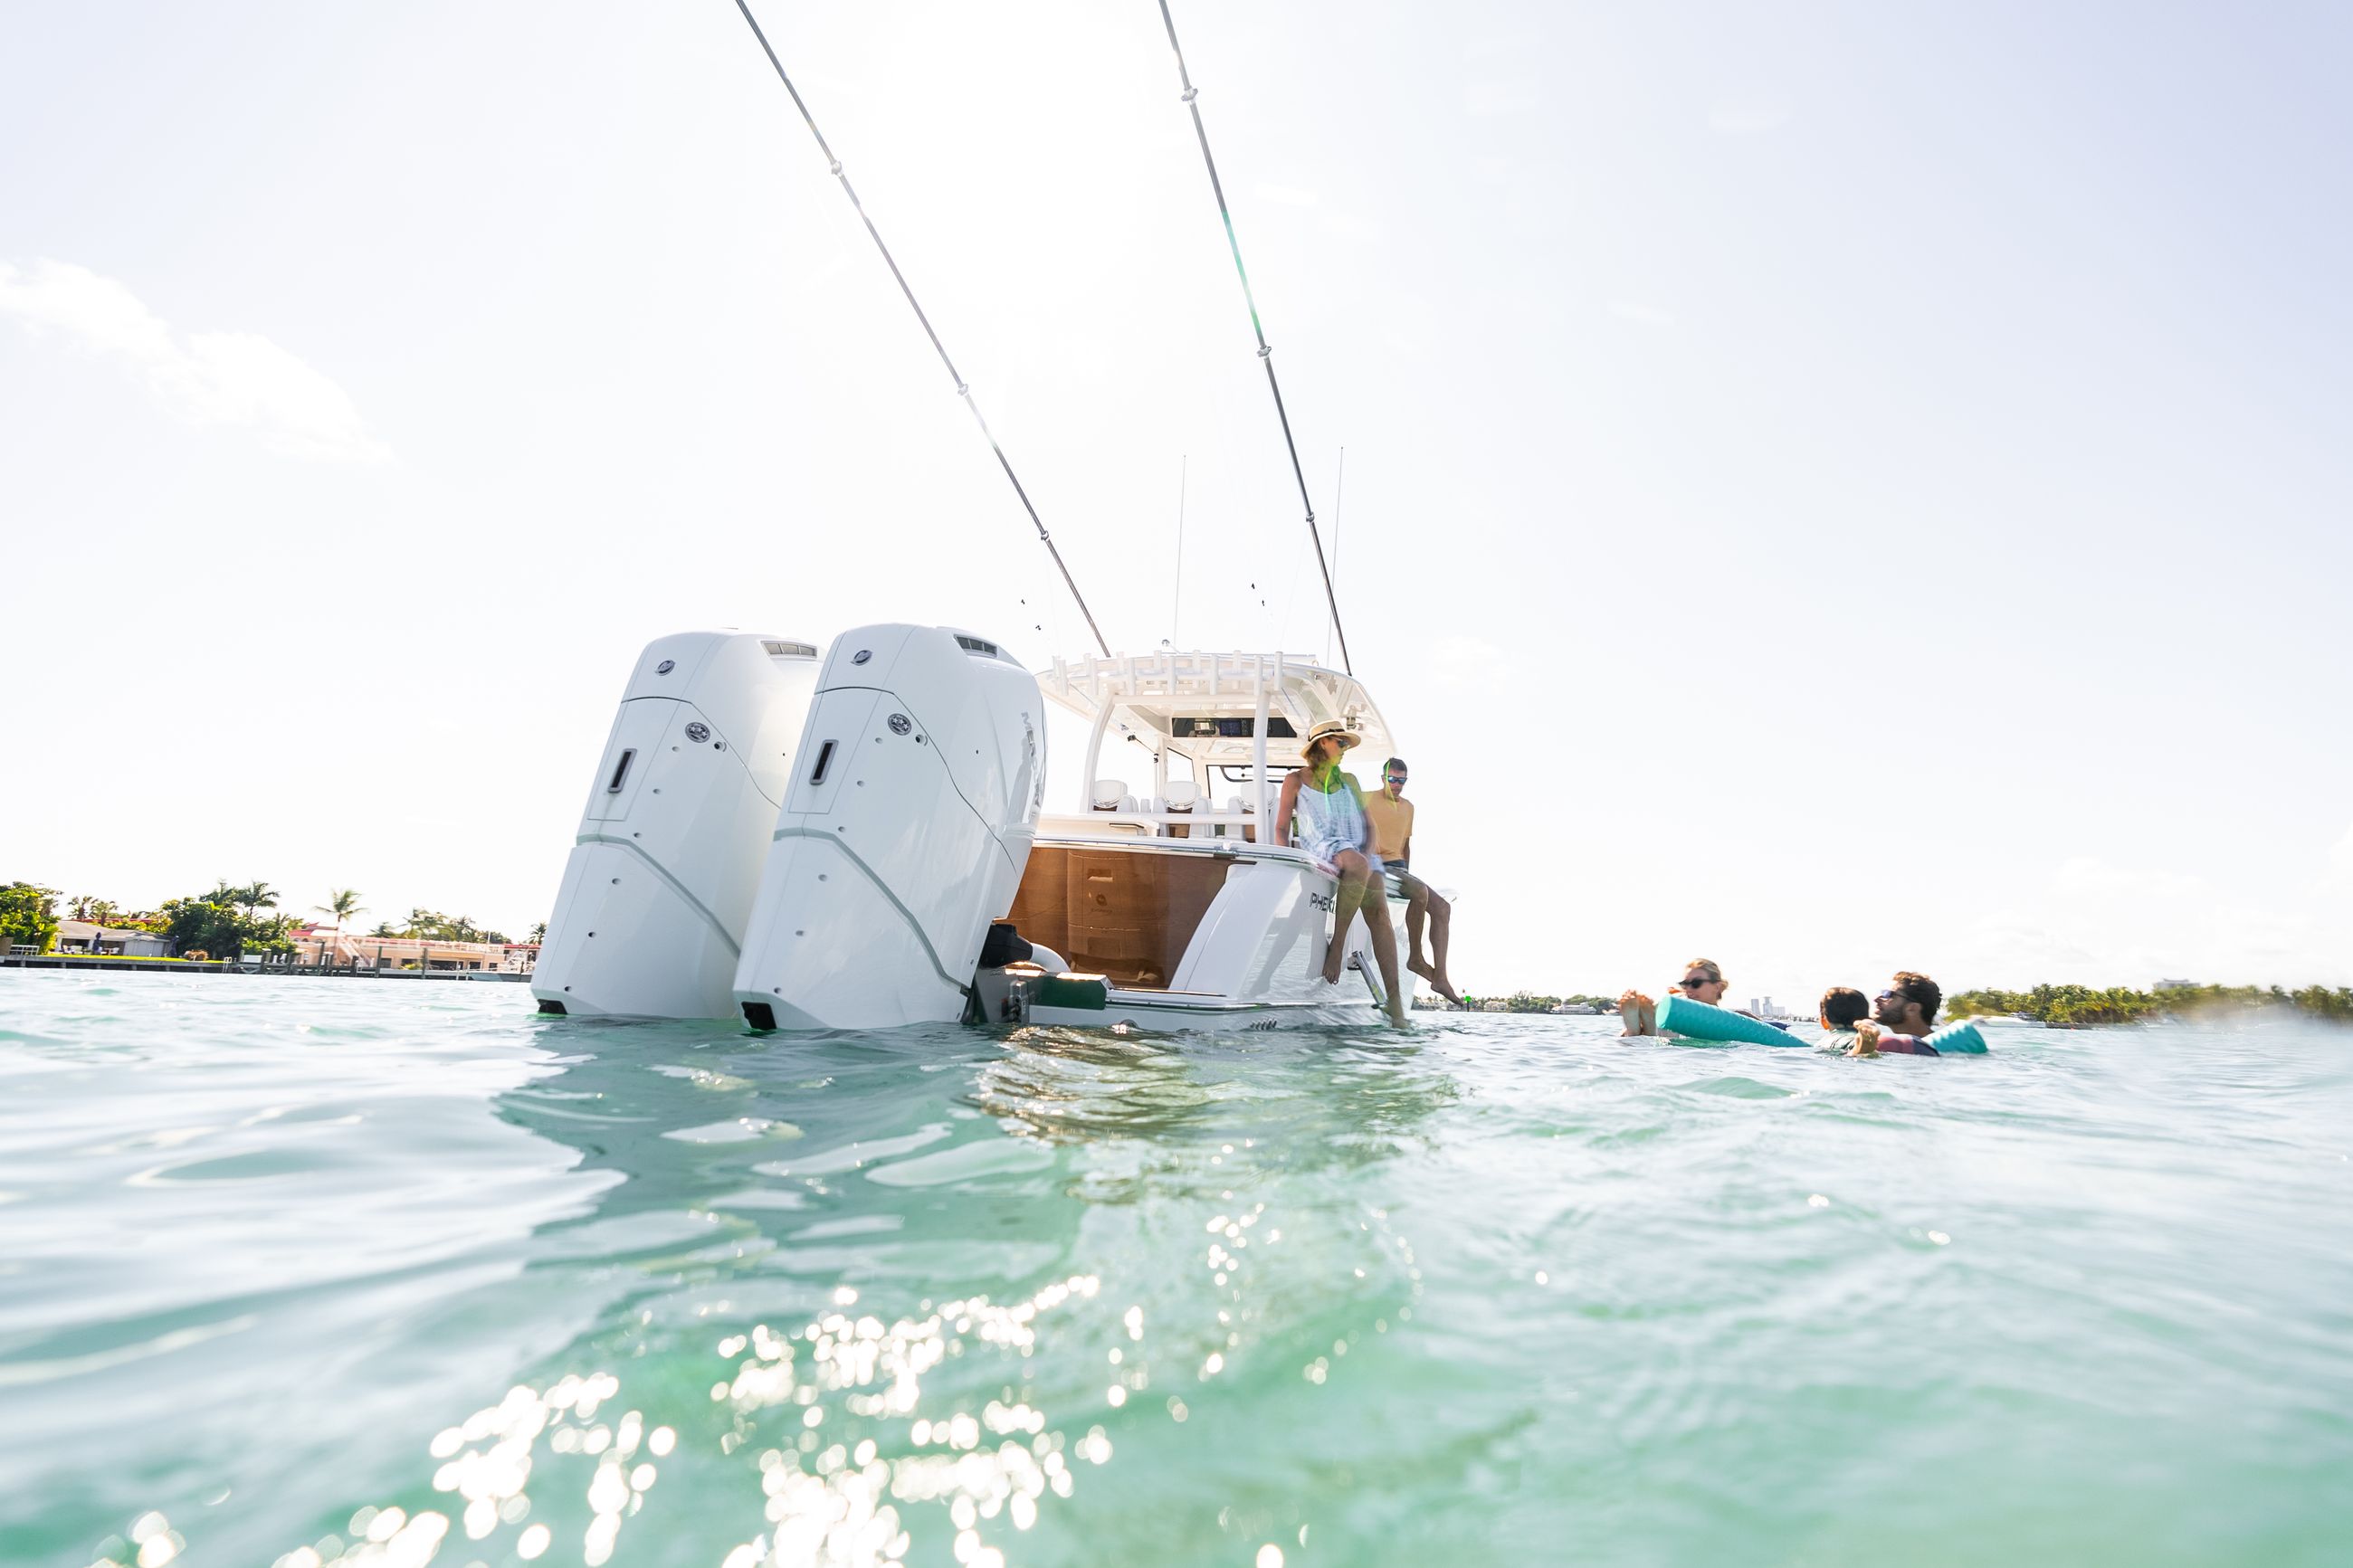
1332	729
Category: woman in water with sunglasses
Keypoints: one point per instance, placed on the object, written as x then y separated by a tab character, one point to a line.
1703	982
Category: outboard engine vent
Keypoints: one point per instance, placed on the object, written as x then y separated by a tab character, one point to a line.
904	835
650	920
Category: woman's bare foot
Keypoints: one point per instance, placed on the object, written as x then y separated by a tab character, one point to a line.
1638	1013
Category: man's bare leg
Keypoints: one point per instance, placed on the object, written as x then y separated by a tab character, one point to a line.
1417	912
1442	926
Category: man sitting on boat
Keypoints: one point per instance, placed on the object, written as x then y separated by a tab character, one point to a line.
1392	818
1333	830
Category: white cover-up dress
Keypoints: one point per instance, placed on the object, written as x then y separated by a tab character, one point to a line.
1330	825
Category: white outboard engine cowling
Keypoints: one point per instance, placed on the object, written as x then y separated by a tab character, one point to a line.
650	923
915	799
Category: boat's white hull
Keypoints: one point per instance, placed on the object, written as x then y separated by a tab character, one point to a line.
1255	959
1161	1013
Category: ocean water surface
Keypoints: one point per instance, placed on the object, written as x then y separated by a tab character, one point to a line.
295	1271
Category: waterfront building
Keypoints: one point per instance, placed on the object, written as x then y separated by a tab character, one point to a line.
83	936
315	945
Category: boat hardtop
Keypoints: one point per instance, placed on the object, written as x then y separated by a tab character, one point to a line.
1235	718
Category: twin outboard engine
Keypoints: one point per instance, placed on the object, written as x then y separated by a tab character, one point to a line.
649	922
911	807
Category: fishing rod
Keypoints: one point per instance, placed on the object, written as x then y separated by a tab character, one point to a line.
963	390
1265	350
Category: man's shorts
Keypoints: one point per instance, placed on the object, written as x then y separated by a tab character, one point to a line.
1408	884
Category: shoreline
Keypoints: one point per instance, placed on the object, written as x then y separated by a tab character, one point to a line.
229	966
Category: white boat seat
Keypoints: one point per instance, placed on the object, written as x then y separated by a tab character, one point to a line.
1108	795
1183	796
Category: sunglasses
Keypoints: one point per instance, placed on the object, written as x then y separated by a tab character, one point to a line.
1393	778
1888	996
1690	980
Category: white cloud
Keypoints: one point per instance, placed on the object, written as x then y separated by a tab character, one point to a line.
2103	923
2085	878
1746	119
238	379
1646	315
1493	99
1284	195
2340	854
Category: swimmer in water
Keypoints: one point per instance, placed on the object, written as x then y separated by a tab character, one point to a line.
1902	1018
1840	1009
1703	982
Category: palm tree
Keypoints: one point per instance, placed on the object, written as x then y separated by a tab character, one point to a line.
79	909
256	896
539	931
343	903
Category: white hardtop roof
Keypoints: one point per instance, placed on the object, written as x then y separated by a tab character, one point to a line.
1150	696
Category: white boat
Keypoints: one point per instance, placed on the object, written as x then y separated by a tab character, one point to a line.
1188	911
861	843
894	864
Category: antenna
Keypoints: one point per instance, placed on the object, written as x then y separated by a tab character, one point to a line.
963	391
1183	463
1265	351
1339	490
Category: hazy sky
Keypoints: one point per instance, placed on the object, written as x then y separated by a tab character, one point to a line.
1829	486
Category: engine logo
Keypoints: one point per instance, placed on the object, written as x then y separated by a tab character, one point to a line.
665	667
901	723
698	731
861	655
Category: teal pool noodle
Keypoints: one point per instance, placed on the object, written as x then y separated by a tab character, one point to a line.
1958	1040
1698	1021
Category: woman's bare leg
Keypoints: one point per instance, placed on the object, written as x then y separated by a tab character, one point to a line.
1385	953
1350	897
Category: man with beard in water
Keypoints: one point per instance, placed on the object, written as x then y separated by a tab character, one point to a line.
1901	1018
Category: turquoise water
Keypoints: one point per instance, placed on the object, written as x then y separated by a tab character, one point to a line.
353	1268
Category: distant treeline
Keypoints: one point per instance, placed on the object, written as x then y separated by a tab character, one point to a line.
230	918
1527	1002
2071	1007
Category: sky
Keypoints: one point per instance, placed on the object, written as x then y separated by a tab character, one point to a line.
1829	487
